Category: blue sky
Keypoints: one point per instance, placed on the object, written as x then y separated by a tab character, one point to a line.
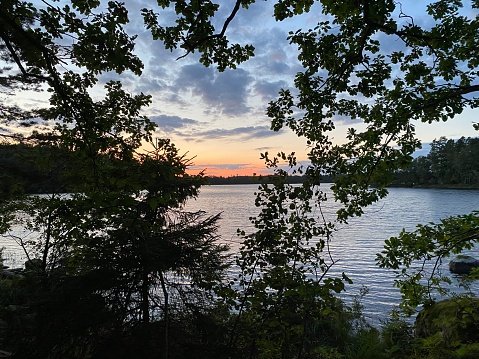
220	117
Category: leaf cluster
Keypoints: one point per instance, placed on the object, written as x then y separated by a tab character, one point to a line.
417	255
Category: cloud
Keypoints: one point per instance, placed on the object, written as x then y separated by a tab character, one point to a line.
169	123
194	131
195	76
269	90
229	169
234	135
127	78
274	55
223	166
190	86
150	84
224	93
423	151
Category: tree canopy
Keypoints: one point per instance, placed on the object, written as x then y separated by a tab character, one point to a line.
117	254
350	71
449	163
113	244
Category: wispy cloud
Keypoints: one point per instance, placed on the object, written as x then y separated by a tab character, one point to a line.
165	122
264	148
233	135
223	166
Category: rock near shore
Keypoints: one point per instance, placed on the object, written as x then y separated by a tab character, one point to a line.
463	264
455	319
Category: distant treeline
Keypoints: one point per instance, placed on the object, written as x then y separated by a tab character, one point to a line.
30	169
219	180
450	163
34	169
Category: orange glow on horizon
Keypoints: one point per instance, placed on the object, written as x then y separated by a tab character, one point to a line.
229	172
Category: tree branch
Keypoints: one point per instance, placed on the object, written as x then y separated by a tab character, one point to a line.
191	47
458	92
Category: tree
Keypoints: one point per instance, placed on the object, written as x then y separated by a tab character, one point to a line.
449	163
122	249
31	48
441	159
416	256
466	159
118	256
351	72
348	71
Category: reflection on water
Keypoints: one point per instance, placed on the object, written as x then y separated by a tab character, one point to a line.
354	246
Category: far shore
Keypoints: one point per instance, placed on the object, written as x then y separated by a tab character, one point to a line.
214	180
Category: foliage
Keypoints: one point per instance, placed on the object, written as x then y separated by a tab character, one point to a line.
397	337
119	250
340	332
33	39
449	162
194	31
416	256
220	180
123	232
282	271
350	73
119	253
29	168
455	319
447	329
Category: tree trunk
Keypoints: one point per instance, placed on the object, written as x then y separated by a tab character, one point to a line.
166	316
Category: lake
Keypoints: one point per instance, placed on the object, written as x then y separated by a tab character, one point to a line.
355	244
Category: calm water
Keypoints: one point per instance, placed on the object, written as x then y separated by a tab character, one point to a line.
355	244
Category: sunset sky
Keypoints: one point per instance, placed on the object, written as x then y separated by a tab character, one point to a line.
220	117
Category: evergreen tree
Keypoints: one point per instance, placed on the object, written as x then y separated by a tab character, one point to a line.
116	260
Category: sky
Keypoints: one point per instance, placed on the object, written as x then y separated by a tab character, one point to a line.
219	119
